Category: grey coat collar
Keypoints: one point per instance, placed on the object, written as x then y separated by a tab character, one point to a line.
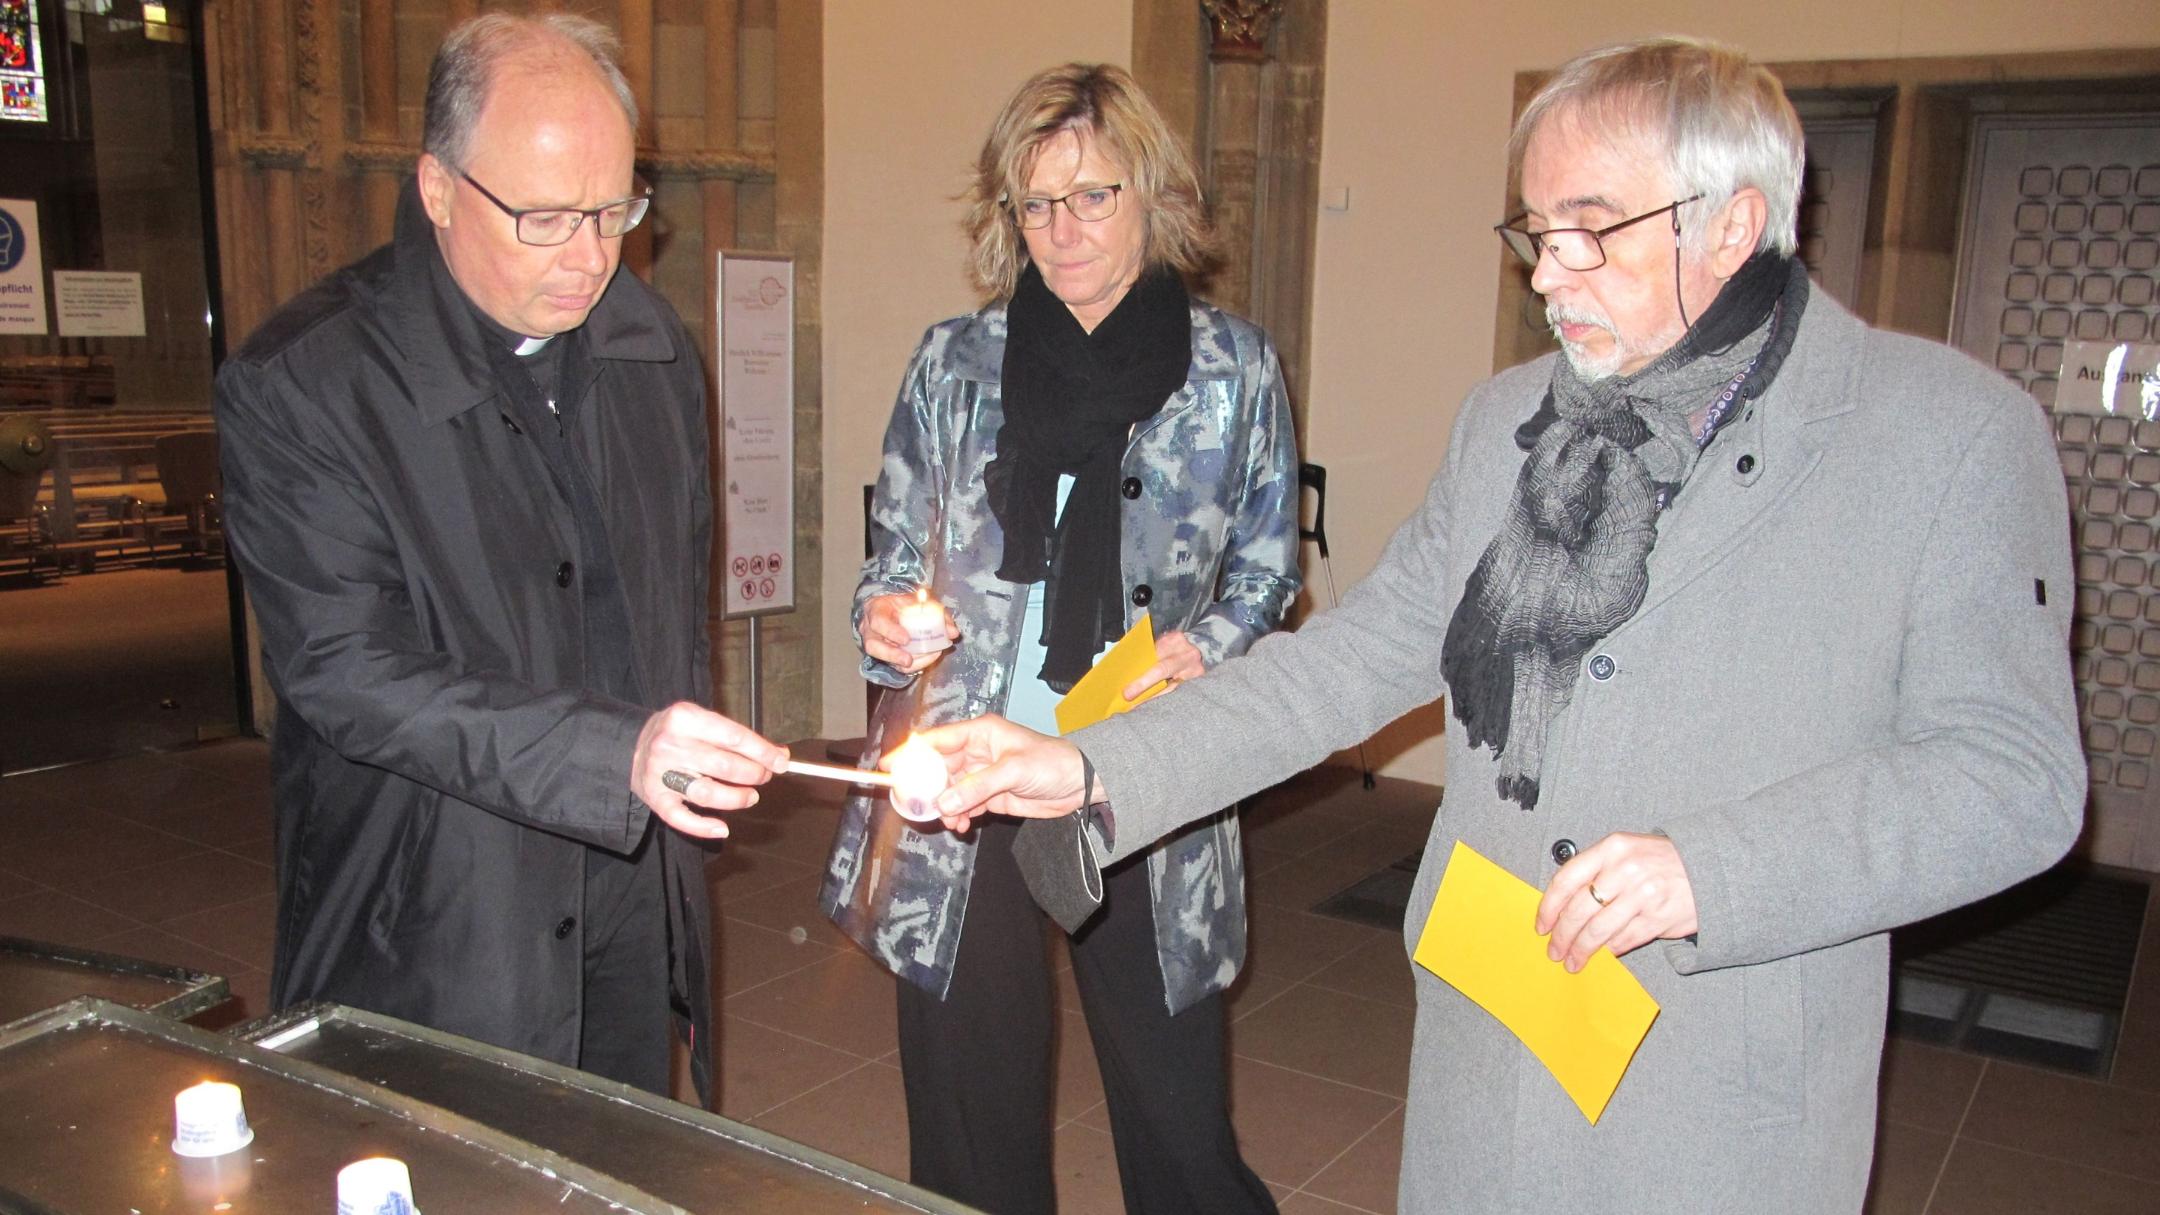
443	344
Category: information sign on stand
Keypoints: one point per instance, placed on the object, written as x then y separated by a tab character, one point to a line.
756	342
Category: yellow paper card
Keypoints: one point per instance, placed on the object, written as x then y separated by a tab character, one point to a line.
1481	937
1100	692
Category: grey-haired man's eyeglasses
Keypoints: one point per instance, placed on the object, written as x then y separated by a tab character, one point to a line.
1092	205
556	225
1576	248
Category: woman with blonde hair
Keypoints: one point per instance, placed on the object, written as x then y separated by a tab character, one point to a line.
1092	447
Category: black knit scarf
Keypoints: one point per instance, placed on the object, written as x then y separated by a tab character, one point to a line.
1071	397
1570	562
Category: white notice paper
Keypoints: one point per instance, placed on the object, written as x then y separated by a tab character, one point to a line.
2115	378
22	268
756	341
98	303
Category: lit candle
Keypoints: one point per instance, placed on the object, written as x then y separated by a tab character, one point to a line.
924	621
208	1120
918	773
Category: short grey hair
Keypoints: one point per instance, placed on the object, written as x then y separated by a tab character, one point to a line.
1721	121
464	68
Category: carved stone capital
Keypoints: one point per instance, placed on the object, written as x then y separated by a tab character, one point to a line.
274	151
1240	28
723	164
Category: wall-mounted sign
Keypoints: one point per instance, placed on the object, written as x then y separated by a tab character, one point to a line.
22	269
98	303
755	340
2119	378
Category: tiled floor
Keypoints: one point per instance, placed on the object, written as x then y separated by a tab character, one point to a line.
167	857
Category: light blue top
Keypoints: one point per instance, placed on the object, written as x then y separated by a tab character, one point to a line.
1033	703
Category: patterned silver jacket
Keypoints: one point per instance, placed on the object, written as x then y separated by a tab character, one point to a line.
1209	546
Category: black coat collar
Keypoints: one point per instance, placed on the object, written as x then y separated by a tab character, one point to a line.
441	341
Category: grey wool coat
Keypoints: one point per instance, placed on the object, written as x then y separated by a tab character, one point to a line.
1844	699
1208	544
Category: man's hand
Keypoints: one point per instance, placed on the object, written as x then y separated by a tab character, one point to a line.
726	758
1641	895
885	638
1002	768
1177	659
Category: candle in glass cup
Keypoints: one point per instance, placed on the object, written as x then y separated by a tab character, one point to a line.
924	621
918	773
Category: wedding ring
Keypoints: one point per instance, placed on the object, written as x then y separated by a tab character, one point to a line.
1597	898
677	780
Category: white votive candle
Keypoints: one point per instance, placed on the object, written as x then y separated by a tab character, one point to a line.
209	1120
924	621
918	773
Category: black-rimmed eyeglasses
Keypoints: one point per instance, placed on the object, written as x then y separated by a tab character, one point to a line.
1576	249
1092	205
556	225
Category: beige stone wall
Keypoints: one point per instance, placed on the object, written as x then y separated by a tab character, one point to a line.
1419	98
909	93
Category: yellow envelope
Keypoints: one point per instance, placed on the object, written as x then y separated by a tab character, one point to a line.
1100	692
1481	938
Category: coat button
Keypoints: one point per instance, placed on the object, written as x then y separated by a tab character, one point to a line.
1143	595
1563	851
1130	487
1746	465
1602	667
512	424
564	929
564	573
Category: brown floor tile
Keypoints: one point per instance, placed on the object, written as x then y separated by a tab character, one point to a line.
1907	1162
2137	1047
246	930
235	817
1307	1203
845	1002
1327	1033
260	850
748	955
172	889
1301	882
146	781
739	873
1079	1075
1364	1176
1285	944
1281	824
1985	1180
789	908
1252	992
861	1116
48	915
60	847
2081	1121
796	824
1927	1086
243	761
155	945
1377	971
1291	1150
1085	1163
763	1068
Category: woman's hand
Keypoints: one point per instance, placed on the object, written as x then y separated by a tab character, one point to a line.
885	639
1177	659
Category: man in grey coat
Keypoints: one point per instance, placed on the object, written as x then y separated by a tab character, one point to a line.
467	489
1753	622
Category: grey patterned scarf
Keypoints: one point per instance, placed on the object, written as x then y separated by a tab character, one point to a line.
1570	562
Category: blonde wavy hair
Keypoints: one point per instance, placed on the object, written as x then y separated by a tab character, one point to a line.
1101	100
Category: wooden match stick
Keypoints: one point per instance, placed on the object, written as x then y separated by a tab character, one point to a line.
854	776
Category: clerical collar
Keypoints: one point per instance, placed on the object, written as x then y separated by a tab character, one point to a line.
532	345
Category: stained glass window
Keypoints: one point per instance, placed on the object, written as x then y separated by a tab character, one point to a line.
22	63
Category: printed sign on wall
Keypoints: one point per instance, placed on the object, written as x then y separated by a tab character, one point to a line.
22	269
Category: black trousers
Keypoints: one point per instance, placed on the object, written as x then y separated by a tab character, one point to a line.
976	1065
624	1031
